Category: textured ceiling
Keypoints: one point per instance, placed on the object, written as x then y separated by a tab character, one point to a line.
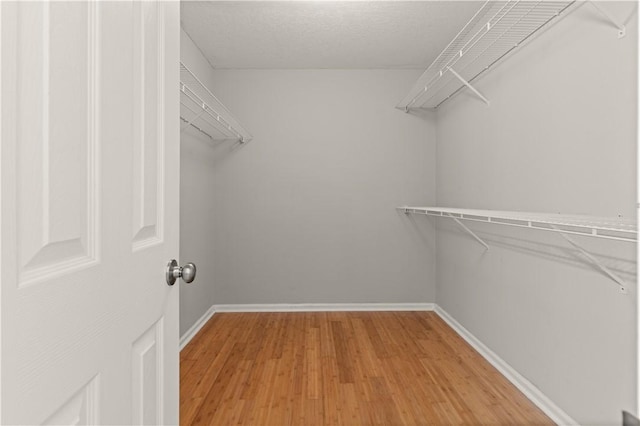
324	34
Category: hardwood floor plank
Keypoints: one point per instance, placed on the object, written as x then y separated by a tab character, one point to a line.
377	343
227	410
342	368
312	369
343	358
265	393
219	378
330	393
198	381
326	338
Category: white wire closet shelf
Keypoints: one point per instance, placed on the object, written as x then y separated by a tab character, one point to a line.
200	109
495	30
612	228
565	225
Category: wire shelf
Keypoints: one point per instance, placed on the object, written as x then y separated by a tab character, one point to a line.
495	30
610	228
200	109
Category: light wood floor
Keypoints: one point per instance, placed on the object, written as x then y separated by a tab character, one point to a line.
342	368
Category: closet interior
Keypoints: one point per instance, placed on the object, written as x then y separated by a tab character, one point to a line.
476	159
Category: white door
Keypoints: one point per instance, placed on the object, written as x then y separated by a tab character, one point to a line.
89	218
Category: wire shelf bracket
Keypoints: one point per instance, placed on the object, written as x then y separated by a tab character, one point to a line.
192	119
473	89
468	231
594	260
622	30
565	225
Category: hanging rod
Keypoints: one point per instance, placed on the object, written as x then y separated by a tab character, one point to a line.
203	111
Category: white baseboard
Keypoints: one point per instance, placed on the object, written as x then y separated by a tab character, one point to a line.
186	338
534	394
325	307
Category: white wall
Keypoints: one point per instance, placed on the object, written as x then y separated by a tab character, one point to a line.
305	213
196	204
559	136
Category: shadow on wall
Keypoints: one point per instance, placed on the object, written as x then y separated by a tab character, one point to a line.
598	19
423	232
558	253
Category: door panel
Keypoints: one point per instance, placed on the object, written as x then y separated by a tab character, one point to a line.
148	109
56	147
89	216
147	378
80	409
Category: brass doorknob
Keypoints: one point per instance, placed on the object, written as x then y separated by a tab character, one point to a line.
186	272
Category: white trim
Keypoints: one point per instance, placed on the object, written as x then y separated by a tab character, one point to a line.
191	332
325	307
534	394
637	407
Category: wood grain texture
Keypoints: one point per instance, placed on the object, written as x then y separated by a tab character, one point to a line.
342	368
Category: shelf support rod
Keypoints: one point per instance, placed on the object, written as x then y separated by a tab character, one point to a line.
466	83
622	30
198	129
190	122
469	231
608	272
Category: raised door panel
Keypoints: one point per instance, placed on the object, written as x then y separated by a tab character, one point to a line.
81	409
51	221
148	154
56	139
147	376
